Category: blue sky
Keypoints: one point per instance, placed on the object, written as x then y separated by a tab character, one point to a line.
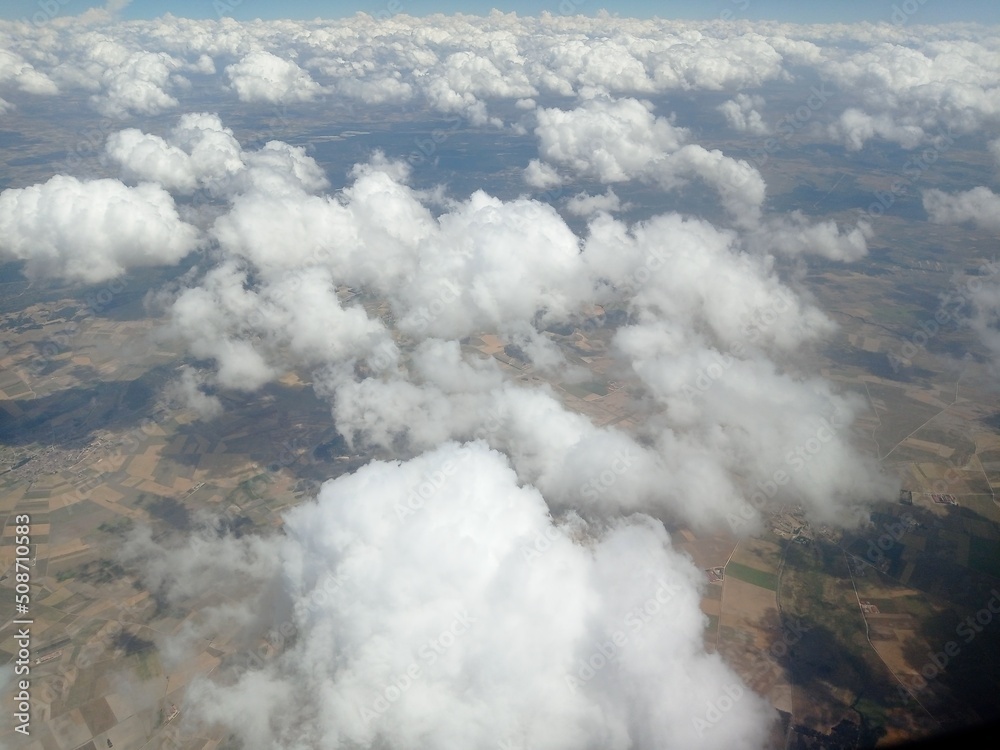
923	11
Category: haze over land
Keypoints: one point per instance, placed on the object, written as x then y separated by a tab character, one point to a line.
572	312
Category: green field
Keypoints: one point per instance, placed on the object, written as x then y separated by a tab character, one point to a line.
752	575
582	390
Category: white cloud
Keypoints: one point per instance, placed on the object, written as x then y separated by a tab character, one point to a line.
890	83
435	603
914	87
711	334
93	230
513	267
622	140
855	128
587	205
617	141
13	68
611	140
256	333
742	114
541	175
187	390
981	206
138	85
264	77
124	78
150	158
794	234
200	153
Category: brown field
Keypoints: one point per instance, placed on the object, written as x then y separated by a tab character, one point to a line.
745	606
758	553
892	651
707	550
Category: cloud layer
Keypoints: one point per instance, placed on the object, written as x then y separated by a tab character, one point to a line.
503	581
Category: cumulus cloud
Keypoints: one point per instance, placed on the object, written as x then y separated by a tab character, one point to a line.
200	153
124	79
621	140
373	291
435	602
617	141
264	77
723	306
911	89
855	128
709	322
255	333
282	300
981	206
450	276
91	231
541	176
187	390
742	114
15	69
892	84
794	234
582	204
611	140
138	85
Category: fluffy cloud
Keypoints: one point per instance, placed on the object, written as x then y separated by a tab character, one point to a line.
256	333
622	140
200	153
265	77
742	115
909	87
435	602
514	268
93	230
541	176
794	234
587	205
723	313
855	128
372	291
138	84
187	390
981	206
611	140
451	276
891	84
124	78
14	69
